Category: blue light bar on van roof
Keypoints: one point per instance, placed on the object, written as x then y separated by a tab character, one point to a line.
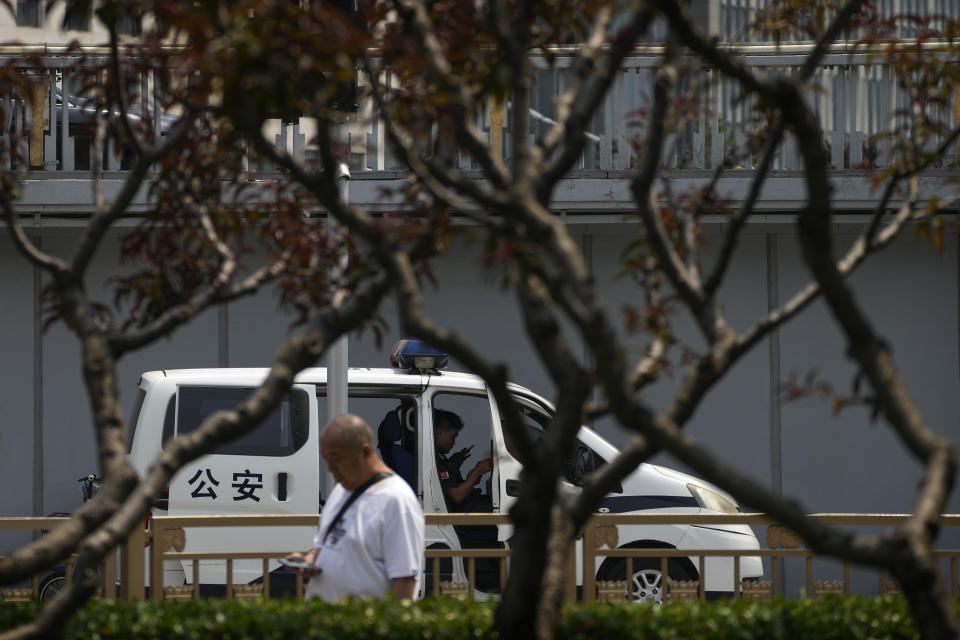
417	354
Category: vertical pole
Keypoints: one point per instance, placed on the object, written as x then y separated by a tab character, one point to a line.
338	354
776	426
37	383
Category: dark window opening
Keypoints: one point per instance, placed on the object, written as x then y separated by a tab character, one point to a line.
129	25
282	433
28	13
78	20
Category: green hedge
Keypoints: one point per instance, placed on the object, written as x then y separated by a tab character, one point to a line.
442	619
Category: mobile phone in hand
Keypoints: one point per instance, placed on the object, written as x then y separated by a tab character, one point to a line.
298	565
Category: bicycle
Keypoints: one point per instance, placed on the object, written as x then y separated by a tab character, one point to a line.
56	580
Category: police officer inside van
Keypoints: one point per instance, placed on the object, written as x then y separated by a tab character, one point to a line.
462	494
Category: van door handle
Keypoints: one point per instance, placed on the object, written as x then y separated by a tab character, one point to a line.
513	488
282	486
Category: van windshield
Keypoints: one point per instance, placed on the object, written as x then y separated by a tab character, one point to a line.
582	461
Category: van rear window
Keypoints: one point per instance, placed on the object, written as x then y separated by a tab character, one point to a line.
281	434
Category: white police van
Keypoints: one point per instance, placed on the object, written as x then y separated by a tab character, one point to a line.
277	467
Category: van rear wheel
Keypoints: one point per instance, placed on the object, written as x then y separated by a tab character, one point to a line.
646	582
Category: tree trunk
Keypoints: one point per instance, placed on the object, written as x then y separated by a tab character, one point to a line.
516	616
930	602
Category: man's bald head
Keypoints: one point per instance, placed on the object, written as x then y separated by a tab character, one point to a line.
350	430
348	448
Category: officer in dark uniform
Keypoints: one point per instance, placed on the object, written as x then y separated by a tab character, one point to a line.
463	496
461	493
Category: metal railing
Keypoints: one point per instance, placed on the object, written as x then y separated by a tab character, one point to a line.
108	570
166	539
854	96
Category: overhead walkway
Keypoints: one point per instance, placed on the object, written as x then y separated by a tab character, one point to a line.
856	102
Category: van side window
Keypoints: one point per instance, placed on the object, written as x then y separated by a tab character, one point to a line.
281	434
470	414
392	414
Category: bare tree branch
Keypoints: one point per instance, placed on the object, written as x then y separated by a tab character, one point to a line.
735	225
121	343
440	181
55	266
416	323
104	216
417	16
832	32
575	110
685	282
119	92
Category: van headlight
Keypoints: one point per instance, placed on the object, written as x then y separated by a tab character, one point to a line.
711	500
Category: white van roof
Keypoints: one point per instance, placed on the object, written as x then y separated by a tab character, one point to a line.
241	376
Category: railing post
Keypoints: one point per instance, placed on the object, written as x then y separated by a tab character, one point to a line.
736	577
132	565
497	109
570	591
110	576
39	85
703	578
156	562
589	546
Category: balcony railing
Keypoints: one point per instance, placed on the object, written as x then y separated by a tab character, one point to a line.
856	102
167	537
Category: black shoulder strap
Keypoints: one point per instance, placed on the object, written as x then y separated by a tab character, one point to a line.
377	477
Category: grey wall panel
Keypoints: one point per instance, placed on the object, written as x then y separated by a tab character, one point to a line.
257	327
70	451
733	420
844	462
470	300
16	402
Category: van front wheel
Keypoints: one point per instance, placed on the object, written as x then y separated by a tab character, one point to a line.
52	585
646	582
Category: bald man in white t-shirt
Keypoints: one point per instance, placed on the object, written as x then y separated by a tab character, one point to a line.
375	546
